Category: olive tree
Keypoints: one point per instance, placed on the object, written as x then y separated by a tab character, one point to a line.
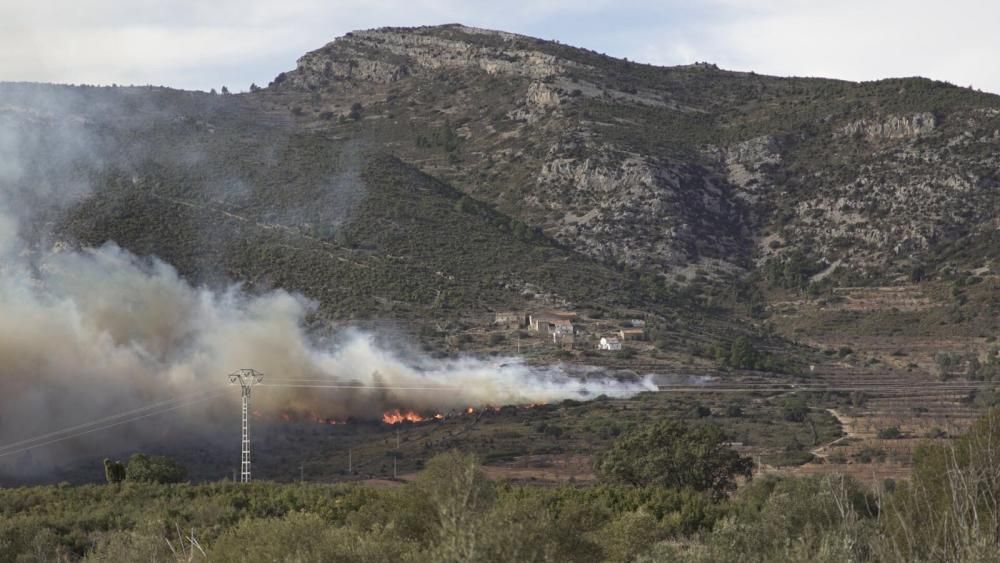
154	469
675	455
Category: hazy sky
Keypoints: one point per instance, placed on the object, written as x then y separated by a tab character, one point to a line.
200	44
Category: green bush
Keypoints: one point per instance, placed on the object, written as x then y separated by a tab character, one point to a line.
157	469
795	410
674	455
826	518
890	433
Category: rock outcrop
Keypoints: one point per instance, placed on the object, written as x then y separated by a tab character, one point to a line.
389	54
640	211
891	127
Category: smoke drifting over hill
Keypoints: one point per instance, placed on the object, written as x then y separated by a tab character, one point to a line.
92	332
84	334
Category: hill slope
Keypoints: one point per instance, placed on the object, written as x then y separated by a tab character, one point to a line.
672	168
444	171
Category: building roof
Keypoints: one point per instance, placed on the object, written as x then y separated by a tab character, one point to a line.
552	315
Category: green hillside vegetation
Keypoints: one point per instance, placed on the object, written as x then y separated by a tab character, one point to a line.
452	512
412	245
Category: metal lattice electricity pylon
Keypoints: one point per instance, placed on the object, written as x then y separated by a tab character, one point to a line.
246	378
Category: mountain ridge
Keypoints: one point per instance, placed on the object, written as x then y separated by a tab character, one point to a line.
677	185
557	96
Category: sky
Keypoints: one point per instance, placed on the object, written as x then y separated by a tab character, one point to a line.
204	44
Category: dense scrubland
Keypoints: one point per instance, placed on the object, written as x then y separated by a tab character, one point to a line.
667	493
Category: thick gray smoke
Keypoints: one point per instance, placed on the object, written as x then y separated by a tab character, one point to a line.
85	334
105	316
92	332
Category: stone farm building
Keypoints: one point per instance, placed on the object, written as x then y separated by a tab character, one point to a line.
549	322
632	334
564	338
510	319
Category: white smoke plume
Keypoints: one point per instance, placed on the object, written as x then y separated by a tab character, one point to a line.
93	332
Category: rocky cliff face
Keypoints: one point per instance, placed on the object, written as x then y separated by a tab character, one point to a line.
644	212
892	127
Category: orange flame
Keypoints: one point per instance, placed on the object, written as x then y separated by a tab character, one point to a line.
397	416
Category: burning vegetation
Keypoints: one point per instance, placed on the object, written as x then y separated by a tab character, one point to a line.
397	416
391	417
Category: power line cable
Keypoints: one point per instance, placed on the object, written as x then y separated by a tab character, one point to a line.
101	420
106	426
345	381
392	387
163	407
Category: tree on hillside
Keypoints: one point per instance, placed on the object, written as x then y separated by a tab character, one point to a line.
742	354
795	409
459	495
672	454
154	469
114	471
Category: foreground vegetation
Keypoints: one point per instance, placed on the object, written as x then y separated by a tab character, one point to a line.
452	512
